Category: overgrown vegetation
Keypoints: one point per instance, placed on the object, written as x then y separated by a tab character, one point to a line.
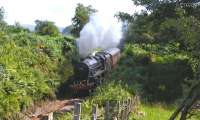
46	28
81	17
161	56
168	35
159	61
30	68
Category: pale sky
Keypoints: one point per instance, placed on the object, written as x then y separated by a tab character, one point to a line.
59	11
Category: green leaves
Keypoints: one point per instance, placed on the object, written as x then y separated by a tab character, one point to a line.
1	13
46	28
29	70
81	17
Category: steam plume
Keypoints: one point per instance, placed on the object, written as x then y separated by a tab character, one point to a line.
101	32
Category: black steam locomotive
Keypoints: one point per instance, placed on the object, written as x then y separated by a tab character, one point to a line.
92	70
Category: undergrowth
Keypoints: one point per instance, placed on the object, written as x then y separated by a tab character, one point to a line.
153	72
32	67
29	69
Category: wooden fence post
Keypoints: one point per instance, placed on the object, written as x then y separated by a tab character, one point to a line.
129	105
119	110
126	110
94	113
132	104
47	116
77	111
122	111
51	116
107	109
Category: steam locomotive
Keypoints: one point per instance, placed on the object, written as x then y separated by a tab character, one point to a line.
91	72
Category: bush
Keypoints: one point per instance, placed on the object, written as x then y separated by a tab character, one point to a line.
165	80
158	73
46	28
30	66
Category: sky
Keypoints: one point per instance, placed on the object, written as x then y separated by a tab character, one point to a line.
59	11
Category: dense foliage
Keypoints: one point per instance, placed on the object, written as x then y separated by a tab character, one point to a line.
167	35
1	13
81	17
158	73
166	23
159	61
46	28
30	68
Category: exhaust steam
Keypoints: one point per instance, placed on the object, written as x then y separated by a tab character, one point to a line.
101	32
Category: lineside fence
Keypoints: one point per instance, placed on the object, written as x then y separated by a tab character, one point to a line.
112	110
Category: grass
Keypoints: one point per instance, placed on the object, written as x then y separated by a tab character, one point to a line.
65	116
153	112
156	112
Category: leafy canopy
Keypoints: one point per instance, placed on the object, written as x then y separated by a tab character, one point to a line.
165	24
81	17
1	13
46	28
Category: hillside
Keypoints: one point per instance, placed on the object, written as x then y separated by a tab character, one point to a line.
32	67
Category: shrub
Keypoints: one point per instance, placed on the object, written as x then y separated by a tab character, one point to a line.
158	73
46	28
30	66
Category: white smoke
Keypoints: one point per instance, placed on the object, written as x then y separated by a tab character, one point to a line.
101	32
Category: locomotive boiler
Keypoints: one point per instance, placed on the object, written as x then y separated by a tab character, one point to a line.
91	71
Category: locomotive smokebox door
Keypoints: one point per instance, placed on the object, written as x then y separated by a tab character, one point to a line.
81	71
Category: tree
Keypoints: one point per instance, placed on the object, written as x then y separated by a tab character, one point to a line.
46	28
165	22
124	17
81	17
190	101
158	23
1	14
3	24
